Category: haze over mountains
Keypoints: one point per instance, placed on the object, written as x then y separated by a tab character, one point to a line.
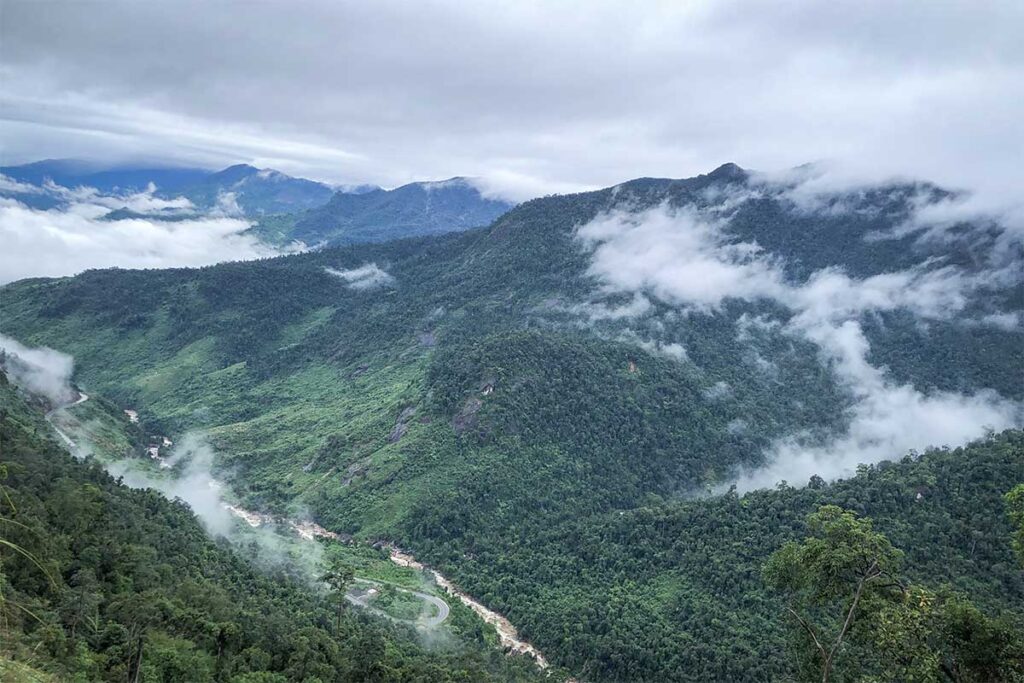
81	214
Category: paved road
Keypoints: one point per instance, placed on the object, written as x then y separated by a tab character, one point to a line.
82	398
427	622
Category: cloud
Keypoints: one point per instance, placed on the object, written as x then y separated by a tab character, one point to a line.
192	481
683	257
516	186
145	202
530	92
676	255
13	186
41	370
67	240
367	276
886	421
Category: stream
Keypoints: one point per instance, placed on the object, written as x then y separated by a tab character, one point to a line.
308	530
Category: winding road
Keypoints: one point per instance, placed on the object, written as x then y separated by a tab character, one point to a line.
82	398
443	610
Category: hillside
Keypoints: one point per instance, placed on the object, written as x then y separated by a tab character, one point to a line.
117	583
412	210
531	406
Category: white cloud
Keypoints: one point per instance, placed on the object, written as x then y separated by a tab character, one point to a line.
517	186
12	185
40	370
887	419
74	238
366	276
681	256
677	255
526	90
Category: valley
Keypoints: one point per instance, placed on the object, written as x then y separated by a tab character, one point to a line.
598	449
366	589
505	342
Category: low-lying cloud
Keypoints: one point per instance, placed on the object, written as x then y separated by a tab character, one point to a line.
41	371
682	257
79	235
186	474
366	276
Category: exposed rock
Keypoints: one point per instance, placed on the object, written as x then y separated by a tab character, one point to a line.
397	432
466	418
402	424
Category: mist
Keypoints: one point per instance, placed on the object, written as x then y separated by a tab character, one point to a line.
78	235
187	474
682	256
41	371
366	276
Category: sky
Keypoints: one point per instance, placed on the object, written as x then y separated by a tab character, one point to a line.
533	97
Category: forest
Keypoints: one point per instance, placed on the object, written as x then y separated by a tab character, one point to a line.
490	407
102	582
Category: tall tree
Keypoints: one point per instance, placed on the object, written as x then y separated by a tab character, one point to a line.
829	576
1015	508
339	577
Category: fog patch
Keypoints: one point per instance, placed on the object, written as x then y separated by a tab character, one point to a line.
41	370
366	276
78	236
677	255
719	391
887	420
13	186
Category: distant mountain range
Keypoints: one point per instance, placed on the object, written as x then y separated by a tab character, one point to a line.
251	190
413	210
287	208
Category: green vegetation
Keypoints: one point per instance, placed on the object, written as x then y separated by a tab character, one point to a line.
121	584
1015	507
472	410
853	613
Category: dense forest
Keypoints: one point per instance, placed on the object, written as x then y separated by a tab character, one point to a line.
562	449
106	583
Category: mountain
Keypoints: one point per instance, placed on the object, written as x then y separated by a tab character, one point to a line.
552	409
72	173
242	188
258	192
412	210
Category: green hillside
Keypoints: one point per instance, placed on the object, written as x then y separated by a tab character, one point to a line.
493	402
112	583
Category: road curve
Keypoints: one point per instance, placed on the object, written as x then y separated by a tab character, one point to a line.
68	441
443	610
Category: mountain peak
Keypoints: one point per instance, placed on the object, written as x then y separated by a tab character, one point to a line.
728	171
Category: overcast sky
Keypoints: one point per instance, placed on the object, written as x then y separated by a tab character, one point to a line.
535	97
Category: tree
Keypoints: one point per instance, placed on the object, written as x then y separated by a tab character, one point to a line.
935	636
1015	509
830	575
339	577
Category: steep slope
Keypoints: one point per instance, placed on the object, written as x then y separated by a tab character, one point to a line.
470	394
119	584
411	210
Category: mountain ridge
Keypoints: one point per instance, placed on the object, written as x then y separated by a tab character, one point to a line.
464	395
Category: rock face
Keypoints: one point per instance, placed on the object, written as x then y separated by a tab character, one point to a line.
401	424
466	418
